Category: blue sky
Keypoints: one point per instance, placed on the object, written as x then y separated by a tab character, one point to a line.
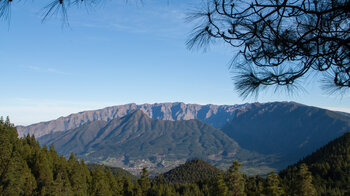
115	54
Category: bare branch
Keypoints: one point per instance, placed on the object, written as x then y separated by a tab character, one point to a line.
305	36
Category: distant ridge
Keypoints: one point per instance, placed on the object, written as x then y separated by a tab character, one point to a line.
215	115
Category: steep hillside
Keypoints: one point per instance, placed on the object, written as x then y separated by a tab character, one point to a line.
289	129
214	115
330	167
76	142
136	141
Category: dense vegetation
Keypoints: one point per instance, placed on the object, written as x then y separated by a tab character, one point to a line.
116	171
28	169
330	167
190	172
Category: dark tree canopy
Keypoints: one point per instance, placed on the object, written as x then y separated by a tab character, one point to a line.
279	41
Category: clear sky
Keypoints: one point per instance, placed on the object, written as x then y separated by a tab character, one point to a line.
115	54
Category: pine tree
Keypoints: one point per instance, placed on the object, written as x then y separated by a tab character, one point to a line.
235	180
255	186
169	190
77	176
114	183
29	181
99	184
273	185
61	184
144	181
127	187
13	169
8	123
304	186
43	173
219	188
137	190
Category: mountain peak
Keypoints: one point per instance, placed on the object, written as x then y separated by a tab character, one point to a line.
136	114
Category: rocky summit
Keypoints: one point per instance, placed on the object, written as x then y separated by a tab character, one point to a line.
215	115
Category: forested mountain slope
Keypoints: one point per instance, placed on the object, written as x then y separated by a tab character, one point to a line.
330	167
290	130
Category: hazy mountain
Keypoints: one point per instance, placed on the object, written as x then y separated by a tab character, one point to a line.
289	129
215	115
136	141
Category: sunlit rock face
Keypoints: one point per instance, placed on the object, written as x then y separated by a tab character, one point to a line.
215	115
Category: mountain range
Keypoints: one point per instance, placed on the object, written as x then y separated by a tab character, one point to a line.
136	141
215	115
263	136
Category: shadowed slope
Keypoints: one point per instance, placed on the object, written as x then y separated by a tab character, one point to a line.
330	167
289	129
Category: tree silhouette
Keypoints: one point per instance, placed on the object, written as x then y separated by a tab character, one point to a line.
52	7
279	41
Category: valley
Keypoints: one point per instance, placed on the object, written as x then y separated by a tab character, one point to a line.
263	136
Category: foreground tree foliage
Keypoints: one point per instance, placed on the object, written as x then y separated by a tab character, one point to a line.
279	41
26	168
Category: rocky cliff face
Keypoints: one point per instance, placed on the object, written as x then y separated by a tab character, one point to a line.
215	115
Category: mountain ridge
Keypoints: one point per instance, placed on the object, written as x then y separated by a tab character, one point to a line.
136	141
215	115
281	132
